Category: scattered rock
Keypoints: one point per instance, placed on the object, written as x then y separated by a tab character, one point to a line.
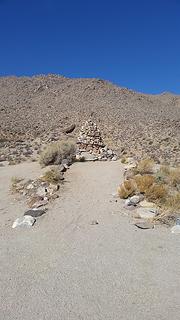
134	200
40	203
89	156
25	221
115	195
70	128
144	225
62	168
41	191
94	222
147	204
34	212
146	213
176	229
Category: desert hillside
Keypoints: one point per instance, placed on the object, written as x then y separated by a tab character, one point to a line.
35	110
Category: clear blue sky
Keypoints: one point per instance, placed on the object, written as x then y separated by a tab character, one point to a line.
134	43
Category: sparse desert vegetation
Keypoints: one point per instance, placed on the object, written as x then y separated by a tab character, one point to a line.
132	123
127	188
53	176
14	183
145	166
55	152
158	185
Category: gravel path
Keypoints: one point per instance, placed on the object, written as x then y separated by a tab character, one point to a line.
66	268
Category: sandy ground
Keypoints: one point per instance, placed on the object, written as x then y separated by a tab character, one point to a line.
66	268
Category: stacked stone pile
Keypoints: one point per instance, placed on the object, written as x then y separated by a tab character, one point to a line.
90	142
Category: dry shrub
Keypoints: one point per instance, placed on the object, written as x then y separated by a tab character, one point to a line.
174	177
123	160
52	176
157	192
173	202
145	166
126	189
15	181
54	153
144	182
165	170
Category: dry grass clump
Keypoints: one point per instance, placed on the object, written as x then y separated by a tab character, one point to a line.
173	202
54	153
123	160
14	183
165	170
174	177
145	166
144	182
170	176
127	188
53	176
157	192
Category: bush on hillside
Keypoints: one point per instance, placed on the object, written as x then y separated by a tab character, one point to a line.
54	153
145	166
126	189
144	182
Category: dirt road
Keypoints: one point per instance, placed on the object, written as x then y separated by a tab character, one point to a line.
65	268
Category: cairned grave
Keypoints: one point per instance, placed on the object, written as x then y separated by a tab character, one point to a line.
90	145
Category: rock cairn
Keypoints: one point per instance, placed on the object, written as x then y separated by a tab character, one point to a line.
91	143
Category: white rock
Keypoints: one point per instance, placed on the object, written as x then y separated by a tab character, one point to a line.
41	191
89	157
30	186
147	204
25	221
146	213
134	200
127	202
176	229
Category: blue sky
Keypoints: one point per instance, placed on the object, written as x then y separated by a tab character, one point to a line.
135	44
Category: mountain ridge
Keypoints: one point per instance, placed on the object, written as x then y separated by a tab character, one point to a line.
135	123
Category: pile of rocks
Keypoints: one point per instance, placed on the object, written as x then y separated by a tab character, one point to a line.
90	142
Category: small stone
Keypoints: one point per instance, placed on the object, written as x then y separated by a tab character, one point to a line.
89	157
114	158
144	225
62	168
65	162
30	186
127	202
115	195
40	203
34	212
176	229
147	204
146	213
109	152
134	200
94	222
70	128
41	191
26	221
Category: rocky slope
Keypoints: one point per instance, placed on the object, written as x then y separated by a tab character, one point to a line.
35	110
